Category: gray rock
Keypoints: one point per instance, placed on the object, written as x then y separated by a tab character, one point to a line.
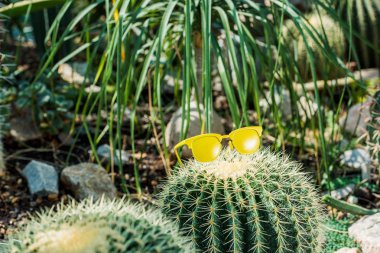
357	118
173	129
23	128
87	180
348	250
104	152
42	179
366	231
357	159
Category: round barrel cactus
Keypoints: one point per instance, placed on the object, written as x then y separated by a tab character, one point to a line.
102	226
373	128
334	36
245	203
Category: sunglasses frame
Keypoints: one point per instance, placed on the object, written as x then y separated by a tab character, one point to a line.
189	142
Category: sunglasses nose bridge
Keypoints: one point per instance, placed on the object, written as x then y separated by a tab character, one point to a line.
225	137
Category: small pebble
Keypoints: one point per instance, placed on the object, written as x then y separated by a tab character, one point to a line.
53	197
39	201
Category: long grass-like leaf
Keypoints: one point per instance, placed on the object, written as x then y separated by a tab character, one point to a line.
21	7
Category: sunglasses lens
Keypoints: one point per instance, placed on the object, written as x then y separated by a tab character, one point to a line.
206	149
246	141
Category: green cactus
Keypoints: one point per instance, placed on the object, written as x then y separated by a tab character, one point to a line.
245	203
331	32
348	207
102	226
364	16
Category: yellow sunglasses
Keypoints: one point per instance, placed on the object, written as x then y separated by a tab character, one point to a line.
207	147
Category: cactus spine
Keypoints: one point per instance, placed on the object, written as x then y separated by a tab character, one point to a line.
245	203
103	226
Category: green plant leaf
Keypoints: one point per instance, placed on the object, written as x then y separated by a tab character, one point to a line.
20	8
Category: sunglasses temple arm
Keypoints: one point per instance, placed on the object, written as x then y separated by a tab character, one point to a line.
259	130
176	151
178	158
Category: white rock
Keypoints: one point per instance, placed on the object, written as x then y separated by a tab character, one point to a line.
343	192
126	115
93	89
366	231
357	119
173	129
221	103
280	97
306	108
217	83
357	159
352	200
169	83
348	250
73	73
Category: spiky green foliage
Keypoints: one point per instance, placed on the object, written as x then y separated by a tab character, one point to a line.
103	226
2	123
334	39
22	7
337	235
4	77
373	128
154	38
245	203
